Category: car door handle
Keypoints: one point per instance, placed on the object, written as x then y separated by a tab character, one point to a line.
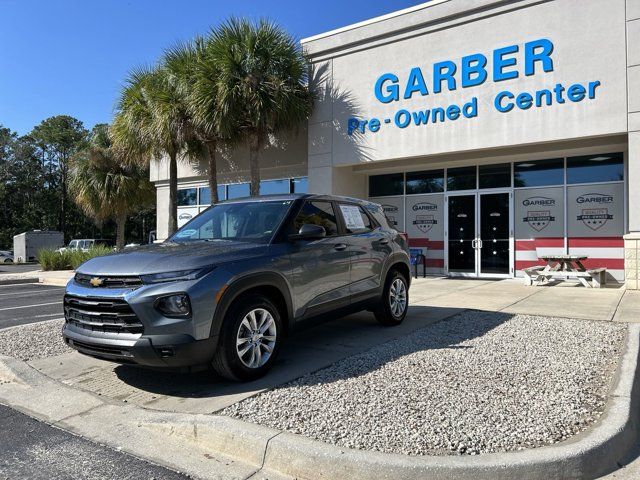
340	246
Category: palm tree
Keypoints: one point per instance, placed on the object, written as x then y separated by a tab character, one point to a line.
105	186
262	84
193	73
152	120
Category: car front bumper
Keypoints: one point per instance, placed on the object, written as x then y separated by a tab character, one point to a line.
122	324
173	351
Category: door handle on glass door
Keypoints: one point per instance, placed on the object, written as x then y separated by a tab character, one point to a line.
340	246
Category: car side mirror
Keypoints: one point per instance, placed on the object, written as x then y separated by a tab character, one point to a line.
309	231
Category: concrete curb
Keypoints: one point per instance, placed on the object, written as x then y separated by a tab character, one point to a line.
257	448
16	281
57	282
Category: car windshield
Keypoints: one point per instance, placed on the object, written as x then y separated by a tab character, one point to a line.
245	221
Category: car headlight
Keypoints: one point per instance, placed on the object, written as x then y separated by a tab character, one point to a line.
175	276
177	305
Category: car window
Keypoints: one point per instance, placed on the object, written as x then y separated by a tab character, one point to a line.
355	220
246	221
317	213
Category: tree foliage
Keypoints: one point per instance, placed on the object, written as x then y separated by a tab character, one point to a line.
106	186
262	84
31	187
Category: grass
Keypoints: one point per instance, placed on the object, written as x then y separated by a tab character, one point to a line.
68	259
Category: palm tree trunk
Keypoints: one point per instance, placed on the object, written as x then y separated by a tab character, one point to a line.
254	165
173	193
210	152
121	222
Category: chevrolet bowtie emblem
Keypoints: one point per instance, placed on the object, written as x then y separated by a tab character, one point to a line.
96	281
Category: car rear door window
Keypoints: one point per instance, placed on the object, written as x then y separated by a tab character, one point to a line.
355	219
317	213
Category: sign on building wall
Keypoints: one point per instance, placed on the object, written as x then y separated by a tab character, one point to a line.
596	210
425	217
394	210
539	212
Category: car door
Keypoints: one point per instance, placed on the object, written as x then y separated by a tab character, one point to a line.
369	246
320	268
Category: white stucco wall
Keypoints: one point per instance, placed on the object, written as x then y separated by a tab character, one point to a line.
589	45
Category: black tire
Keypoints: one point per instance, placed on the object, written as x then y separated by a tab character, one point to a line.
227	361
383	311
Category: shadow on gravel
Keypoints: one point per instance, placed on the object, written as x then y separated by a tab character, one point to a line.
447	335
314	348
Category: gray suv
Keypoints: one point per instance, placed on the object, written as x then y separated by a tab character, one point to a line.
226	288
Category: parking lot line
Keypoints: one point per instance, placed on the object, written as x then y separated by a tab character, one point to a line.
29	306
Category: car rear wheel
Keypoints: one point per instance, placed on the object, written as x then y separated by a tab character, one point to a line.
394	303
249	340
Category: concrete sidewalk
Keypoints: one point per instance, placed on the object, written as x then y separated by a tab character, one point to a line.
55	278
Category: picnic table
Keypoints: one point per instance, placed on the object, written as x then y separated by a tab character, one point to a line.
563	267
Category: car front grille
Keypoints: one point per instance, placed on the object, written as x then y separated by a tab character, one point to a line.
109	315
131	281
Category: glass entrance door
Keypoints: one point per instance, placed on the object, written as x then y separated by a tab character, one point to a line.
479	234
493	243
462	234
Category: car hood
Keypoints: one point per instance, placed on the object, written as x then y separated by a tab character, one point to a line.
170	257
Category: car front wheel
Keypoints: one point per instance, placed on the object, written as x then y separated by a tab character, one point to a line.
394	303
249	340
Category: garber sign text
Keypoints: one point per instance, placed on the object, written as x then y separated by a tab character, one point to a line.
471	71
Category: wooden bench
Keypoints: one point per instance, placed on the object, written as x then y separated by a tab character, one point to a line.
598	276
531	274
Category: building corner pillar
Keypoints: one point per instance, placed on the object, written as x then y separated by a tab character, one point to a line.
632	239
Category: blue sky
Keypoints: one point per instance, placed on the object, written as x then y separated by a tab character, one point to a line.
71	56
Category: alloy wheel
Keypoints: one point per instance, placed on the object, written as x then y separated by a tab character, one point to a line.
256	338
398	297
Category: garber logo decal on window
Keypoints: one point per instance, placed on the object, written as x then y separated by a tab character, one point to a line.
390	211
598	198
595	218
539	219
538	202
424	223
185	216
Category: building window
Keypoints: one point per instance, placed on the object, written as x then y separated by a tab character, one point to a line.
462	178
299	185
385	185
187	197
607	167
205	194
238	190
495	176
269	187
431	181
540	173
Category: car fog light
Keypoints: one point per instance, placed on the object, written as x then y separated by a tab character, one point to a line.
174	305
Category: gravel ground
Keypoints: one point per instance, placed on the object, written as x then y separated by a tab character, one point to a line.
477	383
32	341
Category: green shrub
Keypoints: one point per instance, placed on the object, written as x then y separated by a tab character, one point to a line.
79	257
69	260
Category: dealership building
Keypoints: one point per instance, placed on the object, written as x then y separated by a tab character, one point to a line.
493	132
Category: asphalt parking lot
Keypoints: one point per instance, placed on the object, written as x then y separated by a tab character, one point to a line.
29	303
